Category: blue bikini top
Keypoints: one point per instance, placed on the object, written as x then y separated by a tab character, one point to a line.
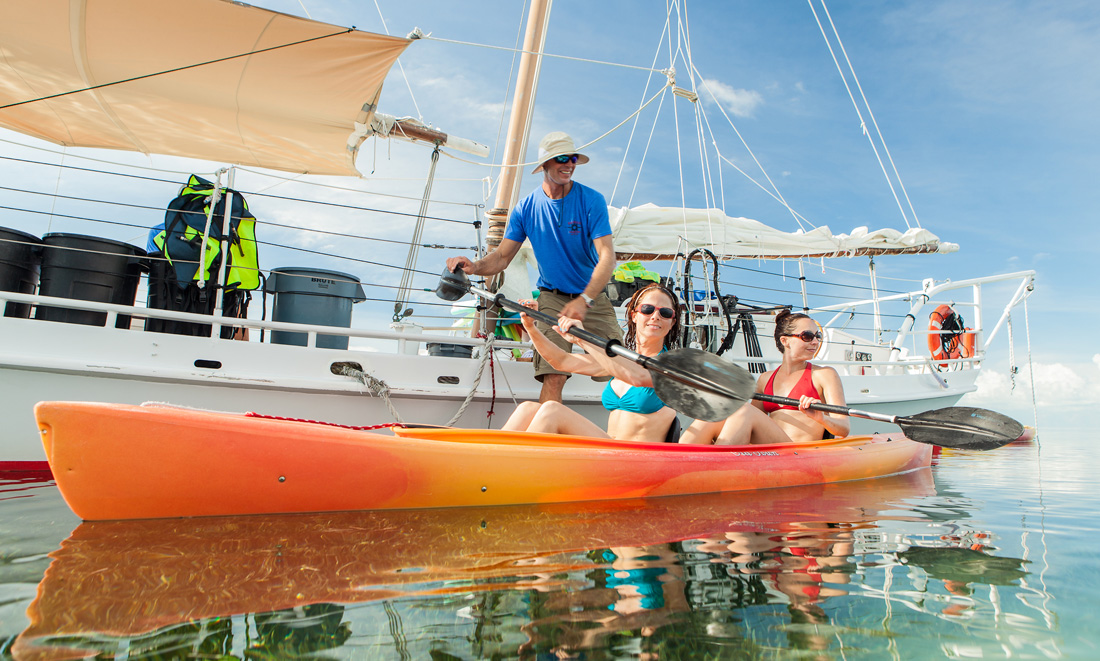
635	400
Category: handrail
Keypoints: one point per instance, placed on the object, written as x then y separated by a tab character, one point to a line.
113	310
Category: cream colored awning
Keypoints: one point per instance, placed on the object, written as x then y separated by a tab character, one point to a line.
650	232
291	108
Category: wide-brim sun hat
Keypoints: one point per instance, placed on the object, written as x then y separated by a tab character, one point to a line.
556	144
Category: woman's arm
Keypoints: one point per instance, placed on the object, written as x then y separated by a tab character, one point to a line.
623	369
575	363
827	382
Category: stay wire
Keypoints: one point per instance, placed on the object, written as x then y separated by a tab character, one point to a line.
182	175
176	70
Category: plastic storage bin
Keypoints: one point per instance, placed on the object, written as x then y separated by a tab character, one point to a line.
20	258
313	296
88	268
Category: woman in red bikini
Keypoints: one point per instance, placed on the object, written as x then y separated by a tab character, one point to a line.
798	337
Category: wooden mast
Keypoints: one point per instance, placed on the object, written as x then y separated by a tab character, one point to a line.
519	124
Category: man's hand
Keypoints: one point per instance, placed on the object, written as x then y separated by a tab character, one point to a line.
575	309
463	263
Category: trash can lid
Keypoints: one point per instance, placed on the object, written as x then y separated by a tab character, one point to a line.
300	280
68	238
22	236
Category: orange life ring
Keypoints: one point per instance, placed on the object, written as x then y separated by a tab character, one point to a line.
948	336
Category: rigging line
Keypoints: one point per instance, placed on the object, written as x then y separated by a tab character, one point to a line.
718	155
731	265
145	226
665	31
859	113
352	190
176	70
586	145
630	138
676	127
645	152
401	67
551	55
418	231
265	195
1031	372
704	160
871	114
880	277
354	207
65	153
501	130
185	174
778	196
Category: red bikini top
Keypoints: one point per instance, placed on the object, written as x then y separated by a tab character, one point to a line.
805	386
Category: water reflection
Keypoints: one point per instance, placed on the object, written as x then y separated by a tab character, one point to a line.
812	570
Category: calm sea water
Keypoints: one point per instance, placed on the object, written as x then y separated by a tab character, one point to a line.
986	555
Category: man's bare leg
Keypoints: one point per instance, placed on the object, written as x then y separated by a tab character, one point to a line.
552	385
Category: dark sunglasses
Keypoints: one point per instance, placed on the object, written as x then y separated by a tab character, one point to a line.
647	309
805	336
566	158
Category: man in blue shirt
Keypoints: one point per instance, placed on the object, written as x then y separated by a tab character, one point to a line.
568	227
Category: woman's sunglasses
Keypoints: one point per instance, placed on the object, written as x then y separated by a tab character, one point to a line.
805	336
567	158
647	309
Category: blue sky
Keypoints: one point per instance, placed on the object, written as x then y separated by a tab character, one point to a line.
988	109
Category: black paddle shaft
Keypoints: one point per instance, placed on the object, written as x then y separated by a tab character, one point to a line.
953	427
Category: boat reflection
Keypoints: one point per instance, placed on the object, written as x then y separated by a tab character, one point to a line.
504	580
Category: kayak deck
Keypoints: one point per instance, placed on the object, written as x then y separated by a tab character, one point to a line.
115	461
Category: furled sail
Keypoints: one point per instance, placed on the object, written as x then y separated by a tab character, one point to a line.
650	232
269	89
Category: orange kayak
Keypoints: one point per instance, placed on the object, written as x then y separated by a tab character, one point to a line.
114	461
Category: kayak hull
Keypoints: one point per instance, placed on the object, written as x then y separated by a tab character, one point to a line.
115	461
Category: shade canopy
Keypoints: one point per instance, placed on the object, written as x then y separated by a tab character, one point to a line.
270	90
650	232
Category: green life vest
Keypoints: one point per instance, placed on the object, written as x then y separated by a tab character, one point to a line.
181	240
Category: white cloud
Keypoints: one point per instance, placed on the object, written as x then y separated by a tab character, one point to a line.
1064	394
741	103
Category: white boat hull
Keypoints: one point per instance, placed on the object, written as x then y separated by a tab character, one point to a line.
42	360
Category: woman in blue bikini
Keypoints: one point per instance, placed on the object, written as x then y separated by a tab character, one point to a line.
635	411
798	338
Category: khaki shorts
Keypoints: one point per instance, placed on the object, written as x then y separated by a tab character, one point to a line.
600	320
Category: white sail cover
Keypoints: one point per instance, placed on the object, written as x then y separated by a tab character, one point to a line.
652	232
291	108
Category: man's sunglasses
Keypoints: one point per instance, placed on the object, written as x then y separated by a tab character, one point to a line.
647	309
566	158
805	336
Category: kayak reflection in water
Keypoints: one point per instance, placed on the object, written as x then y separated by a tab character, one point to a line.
636	413
798	337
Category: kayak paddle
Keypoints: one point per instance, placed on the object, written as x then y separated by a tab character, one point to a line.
696	383
959	427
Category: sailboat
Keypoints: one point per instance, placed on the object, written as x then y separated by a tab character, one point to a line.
281	103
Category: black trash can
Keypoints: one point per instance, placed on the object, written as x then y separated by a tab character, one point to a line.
20	258
313	296
88	268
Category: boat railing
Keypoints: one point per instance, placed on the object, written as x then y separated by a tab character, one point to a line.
932	293
406	340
